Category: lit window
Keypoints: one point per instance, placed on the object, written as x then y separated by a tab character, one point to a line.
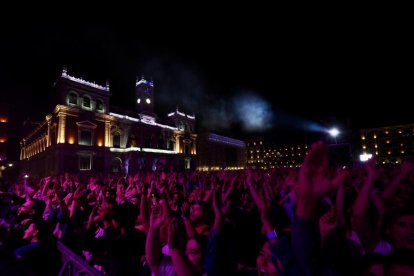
363	137
139	100
85	162
148	101
116	140
99	105
72	98
85	137
87	102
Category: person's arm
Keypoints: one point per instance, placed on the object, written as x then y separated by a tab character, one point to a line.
185	214
359	215
340	205
145	213
391	189
218	216
152	244
91	218
230	189
60	200
313	185
176	244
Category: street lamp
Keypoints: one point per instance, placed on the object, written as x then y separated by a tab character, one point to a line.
334	132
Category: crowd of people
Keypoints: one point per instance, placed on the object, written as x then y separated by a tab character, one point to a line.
312	220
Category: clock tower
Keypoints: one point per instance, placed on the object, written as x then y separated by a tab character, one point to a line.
144	96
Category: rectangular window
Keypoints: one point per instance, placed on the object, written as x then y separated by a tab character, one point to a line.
186	149
187	163
85	163
99	105
85	138
116	141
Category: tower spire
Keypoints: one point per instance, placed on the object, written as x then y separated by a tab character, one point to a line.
65	71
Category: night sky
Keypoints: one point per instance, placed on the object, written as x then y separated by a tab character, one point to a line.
239	79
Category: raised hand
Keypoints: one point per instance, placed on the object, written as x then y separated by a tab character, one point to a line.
176	236
158	217
185	211
328	222
314	182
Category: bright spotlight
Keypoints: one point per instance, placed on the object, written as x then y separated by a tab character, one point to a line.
365	157
334	132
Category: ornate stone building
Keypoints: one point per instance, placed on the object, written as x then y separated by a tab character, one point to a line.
81	134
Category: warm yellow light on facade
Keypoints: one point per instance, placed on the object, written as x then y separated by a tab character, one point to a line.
61	128
71	140
386	132
3	140
402	151
375	136
376	146
363	137
100	144
3	120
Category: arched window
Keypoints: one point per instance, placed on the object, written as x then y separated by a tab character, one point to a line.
116	165
72	98
87	102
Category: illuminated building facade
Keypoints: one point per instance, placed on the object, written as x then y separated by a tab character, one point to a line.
388	144
265	156
81	134
216	152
